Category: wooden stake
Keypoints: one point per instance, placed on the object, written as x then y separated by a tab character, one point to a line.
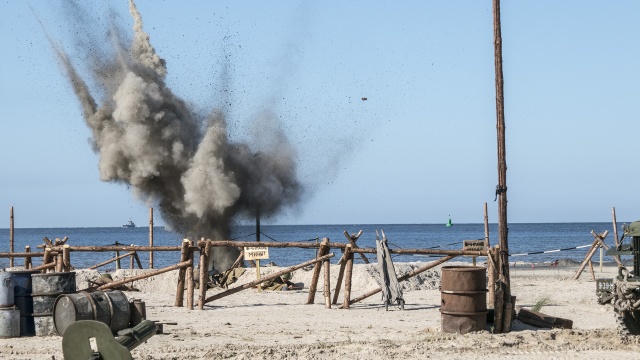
266	278
347	278
593	275
343	264
352	240
324	246
327	283
11	232
131	261
135	255
492	274
204	270
27	259
180	265
66	258
59	263
405	277
150	238
109	261
587	258
189	279
46	258
47	266
118	267
184	256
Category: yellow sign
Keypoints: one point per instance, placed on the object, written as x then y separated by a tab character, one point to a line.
256	253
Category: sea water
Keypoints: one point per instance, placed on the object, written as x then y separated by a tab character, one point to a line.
523	239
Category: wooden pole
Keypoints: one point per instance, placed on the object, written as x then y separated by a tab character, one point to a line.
501	189
266	278
327	282
491	277
27	259
11	234
184	256
190	284
109	261
405	277
236	264
204	270
347	278
117	257
46	258
324	247
44	266
352	240
587	258
180	265
59	263
486	227
593	274
131	261
66	258
343	264
615	234
135	255
150	238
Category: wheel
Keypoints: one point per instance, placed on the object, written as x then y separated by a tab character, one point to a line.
629	322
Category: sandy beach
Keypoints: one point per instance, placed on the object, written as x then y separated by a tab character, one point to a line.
278	325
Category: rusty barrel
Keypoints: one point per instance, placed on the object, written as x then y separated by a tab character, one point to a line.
464	299
110	307
23	300
45	289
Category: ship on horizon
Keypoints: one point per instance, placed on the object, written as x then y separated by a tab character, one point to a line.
130	224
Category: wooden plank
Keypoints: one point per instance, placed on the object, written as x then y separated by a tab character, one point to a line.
543	320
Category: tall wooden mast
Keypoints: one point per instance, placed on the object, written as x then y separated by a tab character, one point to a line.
503	304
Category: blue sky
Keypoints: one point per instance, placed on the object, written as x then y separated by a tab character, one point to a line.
420	148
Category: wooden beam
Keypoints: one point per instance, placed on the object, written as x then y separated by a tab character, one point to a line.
180	265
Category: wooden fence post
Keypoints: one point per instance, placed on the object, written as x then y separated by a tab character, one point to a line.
204	271
347	278
324	246
27	259
184	255
118	257
190	284
150	238
327	281
66	258
343	264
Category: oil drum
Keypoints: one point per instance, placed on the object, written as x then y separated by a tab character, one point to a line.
463	299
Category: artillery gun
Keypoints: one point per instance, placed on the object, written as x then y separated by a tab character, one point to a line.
623	292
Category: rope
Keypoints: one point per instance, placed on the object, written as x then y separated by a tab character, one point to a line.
551	251
240	237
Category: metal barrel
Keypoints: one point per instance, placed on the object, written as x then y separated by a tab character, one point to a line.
110	308
464	299
45	290
138	312
23	300
9	322
6	289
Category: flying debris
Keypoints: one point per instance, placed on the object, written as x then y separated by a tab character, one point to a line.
364	99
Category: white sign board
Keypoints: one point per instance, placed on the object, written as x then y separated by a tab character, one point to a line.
256	253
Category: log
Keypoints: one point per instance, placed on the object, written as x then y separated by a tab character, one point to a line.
587	258
27	259
11	232
324	248
180	265
327	283
59	263
135	255
21	254
600	240
343	264
46	258
204	270
404	277
266	278
352	240
109	261
184	256
593	274
46	266
117	257
66	258
347	279
189	280
150	238
543	320
110	248
236	264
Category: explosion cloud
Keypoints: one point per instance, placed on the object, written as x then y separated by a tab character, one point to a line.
149	139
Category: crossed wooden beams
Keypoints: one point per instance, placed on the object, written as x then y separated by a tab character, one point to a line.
597	243
352	240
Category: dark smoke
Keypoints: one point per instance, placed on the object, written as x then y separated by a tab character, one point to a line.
150	139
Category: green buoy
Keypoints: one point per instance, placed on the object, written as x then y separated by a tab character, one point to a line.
449	223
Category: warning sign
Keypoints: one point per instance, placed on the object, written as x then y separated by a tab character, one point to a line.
473	245
256	253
